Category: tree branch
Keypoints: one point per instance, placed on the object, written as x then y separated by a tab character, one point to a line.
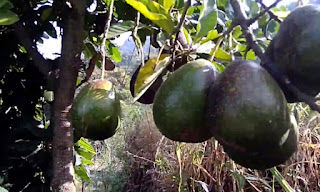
42	64
104	39
268	64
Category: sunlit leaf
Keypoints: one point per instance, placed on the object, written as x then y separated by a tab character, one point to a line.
222	54
212	35
187	35
8	17
166	4
251	55
281	14
208	18
219	66
86	145
155	12
113	52
149	73
84	153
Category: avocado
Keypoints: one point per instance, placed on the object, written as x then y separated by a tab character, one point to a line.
295	50
179	105
247	113
95	112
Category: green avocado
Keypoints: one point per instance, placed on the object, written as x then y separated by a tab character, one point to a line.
296	47
95	112
247	113
179	105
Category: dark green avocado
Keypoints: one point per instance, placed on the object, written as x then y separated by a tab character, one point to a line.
95	112
295	50
179	105
247	113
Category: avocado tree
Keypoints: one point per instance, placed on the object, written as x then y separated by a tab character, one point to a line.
36	93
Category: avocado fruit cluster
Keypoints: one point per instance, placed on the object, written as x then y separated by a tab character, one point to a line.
180	102
95	112
295	50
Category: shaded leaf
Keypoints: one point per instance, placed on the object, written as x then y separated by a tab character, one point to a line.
3	2
8	17
45	14
120	28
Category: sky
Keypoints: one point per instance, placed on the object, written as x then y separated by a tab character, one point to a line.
52	47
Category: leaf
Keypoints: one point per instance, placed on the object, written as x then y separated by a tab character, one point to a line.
219	66
2	189
208	18
166	4
212	35
113	52
155	12
8	17
86	145
251	55
89	50
45	14
187	35
8	5
87	162
83	153
179	4
120	28
222	54
240	178
3	2
222	3
149	73
81	171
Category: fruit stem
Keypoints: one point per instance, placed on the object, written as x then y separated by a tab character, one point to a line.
104	39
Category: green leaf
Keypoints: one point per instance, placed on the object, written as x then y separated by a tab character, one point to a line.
251	55
149	73
113	52
3	2
179	4
166	4
222	3
8	5
120	28
81	171
155	12
222	54
84	153
212	35
208	18
86	145
219	66
45	14
89	50
8	17
87	162
187	35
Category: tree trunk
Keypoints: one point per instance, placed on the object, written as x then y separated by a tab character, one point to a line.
72	43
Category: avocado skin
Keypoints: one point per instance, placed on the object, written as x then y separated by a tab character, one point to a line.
295	50
179	105
96	111
247	113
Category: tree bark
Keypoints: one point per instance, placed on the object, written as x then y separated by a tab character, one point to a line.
72	43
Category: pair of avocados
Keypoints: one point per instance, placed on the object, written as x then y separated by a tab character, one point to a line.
243	108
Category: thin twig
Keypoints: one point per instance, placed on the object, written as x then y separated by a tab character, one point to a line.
266	9
137	40
104	39
241	18
271	14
